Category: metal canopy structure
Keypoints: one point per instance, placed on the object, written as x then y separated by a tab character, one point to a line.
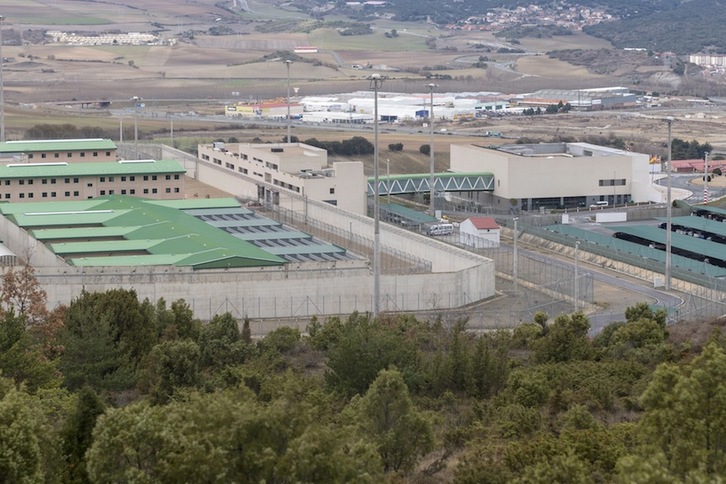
443	182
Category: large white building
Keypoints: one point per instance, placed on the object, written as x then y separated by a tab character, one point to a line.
556	175
274	170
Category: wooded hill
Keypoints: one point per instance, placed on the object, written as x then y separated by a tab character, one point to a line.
113	389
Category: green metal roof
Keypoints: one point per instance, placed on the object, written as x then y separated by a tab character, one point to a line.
699	223
193	205
685	242
30	146
167	235
62	169
409	213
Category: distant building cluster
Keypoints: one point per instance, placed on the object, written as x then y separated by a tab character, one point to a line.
127	38
572	17
707	60
358	107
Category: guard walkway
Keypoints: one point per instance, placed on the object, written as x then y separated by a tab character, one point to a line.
443	182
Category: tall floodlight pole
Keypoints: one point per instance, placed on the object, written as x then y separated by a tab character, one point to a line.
705	178
2	90
669	212
515	255
577	275
388	182
287	63
136	100
376	83
432	180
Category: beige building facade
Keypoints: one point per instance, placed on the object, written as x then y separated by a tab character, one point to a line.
94	150
271	171
556	175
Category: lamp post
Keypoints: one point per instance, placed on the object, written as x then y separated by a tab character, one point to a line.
388	182
515	255
669	207
136	100
376	81
288	62
2	90
577	275
432	181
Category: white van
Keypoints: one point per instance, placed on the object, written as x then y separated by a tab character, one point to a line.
600	204
441	229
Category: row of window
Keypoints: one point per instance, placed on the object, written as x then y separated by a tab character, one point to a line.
69	154
131	191
103	179
612	182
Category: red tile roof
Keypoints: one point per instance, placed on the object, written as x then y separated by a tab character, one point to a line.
483	223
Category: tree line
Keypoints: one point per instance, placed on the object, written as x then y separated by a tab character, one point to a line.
114	389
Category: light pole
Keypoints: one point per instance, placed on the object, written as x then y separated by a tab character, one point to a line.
388	182
288	62
376	83
669	206
136	100
432	180
705	178
577	270
2	90
515	254
614	187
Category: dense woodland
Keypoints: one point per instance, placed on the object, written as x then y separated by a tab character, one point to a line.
113	389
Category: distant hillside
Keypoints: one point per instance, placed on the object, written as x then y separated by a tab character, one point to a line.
680	26
694	26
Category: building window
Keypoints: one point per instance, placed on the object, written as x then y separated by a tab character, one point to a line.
52	181
176	177
42	155
30	182
167	177
83	154
110	179
146	177
108	153
67	180
89	185
153	177
95	153
176	190
110	192
52	194
44	181
56	155
7	195
132	178
154	190
123	192
22	195
103	179
30	195
168	189
132	191
332	191
103	192
69	155
44	194
21	182
75	194
7	182
123	178
75	180
30	156
68	194
146	191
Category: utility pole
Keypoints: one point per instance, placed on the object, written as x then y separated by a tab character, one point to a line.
288	62
136	100
705	178
376	81
2	87
577	275
669	209
515	255
432	179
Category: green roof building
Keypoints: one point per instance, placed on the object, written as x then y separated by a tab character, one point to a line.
68	150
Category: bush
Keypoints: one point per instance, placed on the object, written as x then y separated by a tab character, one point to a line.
425	149
395	147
